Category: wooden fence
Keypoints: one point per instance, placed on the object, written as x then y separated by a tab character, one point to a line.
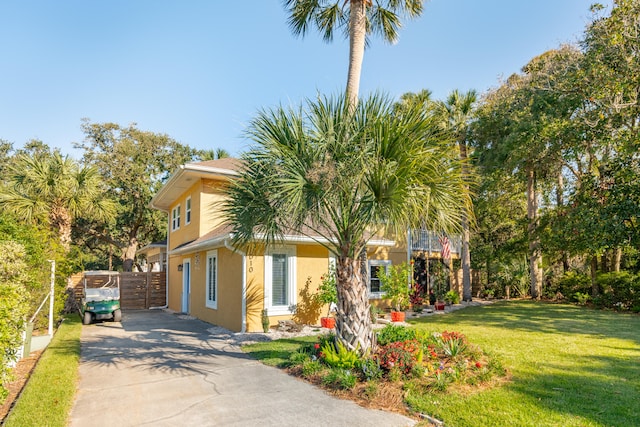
137	290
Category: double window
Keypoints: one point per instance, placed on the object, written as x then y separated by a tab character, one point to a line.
377	268
212	279
279	280
175	218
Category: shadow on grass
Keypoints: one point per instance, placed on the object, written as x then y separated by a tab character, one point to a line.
546	317
600	383
606	392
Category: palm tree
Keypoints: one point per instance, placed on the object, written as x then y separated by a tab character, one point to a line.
457	112
213	154
55	189
340	176
357	19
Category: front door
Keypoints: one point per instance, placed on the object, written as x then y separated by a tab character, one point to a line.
186	285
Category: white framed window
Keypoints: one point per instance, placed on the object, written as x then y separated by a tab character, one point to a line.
280	280
187	211
212	279
175	218
377	267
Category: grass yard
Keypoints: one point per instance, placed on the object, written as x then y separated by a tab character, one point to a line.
569	366
49	394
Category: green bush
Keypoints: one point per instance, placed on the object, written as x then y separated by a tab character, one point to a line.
13	307
452	297
619	290
571	283
337	356
371	369
340	378
394	333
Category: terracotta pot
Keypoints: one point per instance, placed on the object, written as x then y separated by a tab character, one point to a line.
397	316
440	306
328	322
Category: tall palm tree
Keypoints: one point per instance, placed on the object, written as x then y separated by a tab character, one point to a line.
55	189
341	176
357	19
458	112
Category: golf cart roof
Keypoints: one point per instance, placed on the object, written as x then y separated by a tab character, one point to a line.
101	273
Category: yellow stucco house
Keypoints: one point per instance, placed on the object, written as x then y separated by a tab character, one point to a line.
210	279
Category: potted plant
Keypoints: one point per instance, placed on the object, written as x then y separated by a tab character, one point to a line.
327	294
452	297
395	284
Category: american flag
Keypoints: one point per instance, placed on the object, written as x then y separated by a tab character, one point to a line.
446	247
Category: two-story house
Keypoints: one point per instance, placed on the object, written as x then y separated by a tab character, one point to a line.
216	282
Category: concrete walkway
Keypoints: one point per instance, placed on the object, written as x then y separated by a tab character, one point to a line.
156	368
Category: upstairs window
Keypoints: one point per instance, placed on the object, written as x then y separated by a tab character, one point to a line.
175	218
187	211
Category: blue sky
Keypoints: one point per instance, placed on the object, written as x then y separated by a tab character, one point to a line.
198	70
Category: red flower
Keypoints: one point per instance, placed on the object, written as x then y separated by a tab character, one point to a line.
478	365
316	346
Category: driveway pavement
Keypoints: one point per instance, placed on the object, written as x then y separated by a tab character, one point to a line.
156	368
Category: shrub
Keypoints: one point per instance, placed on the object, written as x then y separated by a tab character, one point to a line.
620	290
13	307
452	344
340	378
400	355
337	356
394	333
395	285
311	367
573	282
452	297
371	369
581	298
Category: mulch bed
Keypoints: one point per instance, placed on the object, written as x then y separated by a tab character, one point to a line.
21	374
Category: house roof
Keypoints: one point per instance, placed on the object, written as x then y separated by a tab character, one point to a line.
219	237
145	249
188	173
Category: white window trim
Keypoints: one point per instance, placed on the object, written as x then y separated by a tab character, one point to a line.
272	310
175	220
377	263
208	302
187	211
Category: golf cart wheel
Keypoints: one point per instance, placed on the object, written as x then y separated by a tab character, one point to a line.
86	319
117	315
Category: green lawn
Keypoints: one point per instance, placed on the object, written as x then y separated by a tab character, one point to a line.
569	366
49	394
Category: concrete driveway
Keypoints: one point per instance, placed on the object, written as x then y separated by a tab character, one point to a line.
156	368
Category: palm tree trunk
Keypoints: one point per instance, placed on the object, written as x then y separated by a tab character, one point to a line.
61	219
353	324
535	256
357	36
465	255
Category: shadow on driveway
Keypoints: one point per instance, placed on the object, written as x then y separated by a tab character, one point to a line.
157	368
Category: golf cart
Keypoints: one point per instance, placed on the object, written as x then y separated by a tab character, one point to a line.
101	296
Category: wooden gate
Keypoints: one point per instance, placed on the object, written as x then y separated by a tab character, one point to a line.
138	291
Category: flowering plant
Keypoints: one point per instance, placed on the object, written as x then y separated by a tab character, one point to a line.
401	355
